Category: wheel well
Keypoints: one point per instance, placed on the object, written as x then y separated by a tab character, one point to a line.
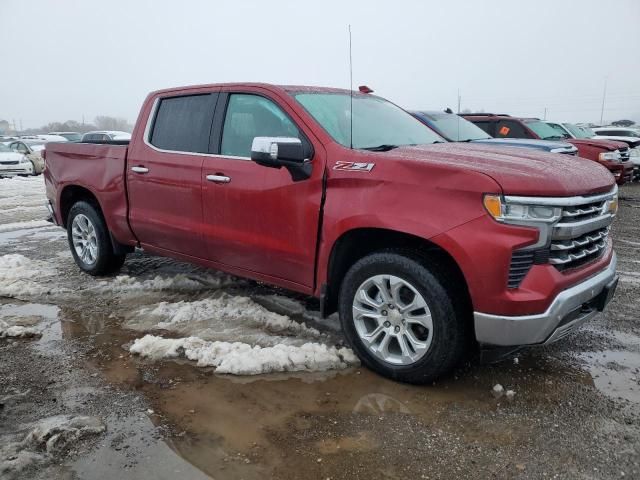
358	243
72	194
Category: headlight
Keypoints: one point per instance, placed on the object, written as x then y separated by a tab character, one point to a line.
24	160
634	152
519	213
610	156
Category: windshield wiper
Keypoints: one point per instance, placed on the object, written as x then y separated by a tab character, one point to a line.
385	147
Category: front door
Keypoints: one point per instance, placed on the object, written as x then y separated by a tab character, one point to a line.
257	218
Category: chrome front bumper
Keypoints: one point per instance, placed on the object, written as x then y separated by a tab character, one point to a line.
571	308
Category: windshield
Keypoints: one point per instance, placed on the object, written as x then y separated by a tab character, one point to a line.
544	130
376	122
579	132
559	130
455	128
4	148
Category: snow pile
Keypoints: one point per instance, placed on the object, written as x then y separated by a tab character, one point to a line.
19	276
46	440
223	311
9	328
243	359
179	282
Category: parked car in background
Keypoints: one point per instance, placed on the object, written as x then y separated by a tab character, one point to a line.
455	128
612	154
105	136
70	136
14	163
626	135
44	138
424	248
31	149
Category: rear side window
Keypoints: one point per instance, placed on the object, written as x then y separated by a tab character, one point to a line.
183	124
510	129
487	126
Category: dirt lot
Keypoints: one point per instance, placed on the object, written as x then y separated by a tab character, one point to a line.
76	403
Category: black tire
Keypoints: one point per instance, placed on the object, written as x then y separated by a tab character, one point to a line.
450	331
106	261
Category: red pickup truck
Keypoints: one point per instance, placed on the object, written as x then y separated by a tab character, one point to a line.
426	249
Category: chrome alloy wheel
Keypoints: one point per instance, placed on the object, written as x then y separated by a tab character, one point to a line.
85	240
392	319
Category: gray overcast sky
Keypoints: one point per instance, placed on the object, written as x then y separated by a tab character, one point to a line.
85	57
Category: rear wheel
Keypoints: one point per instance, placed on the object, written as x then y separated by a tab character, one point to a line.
400	319
90	242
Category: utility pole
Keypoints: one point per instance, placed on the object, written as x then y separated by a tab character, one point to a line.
604	95
545	113
459	101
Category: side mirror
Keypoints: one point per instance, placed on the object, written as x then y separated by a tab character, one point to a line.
278	152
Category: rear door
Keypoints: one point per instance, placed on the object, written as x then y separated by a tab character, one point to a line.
164	173
257	218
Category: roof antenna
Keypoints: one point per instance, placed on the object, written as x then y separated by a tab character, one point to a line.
350	92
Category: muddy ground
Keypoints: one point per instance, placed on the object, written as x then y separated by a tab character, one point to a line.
75	403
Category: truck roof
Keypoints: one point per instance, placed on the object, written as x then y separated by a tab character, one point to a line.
286	88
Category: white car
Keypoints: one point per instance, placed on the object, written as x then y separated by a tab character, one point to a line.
627	135
44	138
32	150
105	136
14	163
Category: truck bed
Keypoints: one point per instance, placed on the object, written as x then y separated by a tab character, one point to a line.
97	167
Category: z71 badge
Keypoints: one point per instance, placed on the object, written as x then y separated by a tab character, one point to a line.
355	166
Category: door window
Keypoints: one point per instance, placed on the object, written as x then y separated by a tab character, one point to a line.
250	116
510	129
487	126
183	124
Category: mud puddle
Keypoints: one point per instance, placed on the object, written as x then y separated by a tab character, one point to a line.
279	425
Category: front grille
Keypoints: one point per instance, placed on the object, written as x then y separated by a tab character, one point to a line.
624	154
580	236
9	163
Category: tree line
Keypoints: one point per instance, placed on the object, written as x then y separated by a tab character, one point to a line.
101	122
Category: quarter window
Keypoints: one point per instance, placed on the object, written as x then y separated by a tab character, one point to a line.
183	124
250	116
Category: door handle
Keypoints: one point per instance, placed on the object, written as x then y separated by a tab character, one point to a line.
218	178
140	169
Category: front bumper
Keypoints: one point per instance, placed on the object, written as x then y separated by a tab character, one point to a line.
15	168
569	309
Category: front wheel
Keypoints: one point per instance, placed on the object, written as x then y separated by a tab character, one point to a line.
400	319
90	242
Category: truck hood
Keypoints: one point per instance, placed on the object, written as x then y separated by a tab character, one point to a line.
545	145
518	171
609	145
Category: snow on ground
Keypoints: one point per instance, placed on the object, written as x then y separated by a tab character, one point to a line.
177	282
224	310
21	276
243	359
45	440
8	227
